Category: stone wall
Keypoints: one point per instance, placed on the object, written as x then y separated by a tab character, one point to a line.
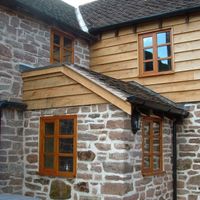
26	40
188	138
11	152
108	163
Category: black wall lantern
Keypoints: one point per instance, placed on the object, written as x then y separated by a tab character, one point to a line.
135	120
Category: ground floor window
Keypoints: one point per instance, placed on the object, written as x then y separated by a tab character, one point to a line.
152	158
58	142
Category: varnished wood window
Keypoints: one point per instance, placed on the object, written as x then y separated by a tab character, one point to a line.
62	50
151	146
58	139
155	53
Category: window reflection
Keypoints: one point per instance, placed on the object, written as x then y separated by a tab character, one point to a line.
163	38
148	41
148	54
148	66
164	65
164	51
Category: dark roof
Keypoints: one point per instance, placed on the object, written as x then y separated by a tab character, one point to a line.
53	12
105	14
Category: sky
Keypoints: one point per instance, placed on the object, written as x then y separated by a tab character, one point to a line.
76	3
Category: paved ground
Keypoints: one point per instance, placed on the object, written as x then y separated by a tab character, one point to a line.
14	197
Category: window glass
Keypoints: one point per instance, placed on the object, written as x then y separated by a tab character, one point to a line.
164	51
66	126
148	66
148	54
156	162
146	162
164	65
56	54
65	164
49	128
67	43
66	145
48	161
147	41
49	145
163	38
56	39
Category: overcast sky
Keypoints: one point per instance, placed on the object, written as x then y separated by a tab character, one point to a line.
76	3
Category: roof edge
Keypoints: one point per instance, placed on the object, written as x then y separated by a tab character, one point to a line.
12	104
145	19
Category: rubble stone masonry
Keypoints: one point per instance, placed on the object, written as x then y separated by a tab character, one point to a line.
11	152
188	138
108	163
24	40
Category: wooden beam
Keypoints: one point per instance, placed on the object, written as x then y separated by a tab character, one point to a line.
94	87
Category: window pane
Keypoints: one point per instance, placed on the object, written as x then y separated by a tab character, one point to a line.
148	66
66	126
148	41
148	54
146	162
49	145
163	38
56	54
67	43
65	164
49	128
65	145
164	51
156	162
56	39
67	56
146	135
164	65
156	137
48	162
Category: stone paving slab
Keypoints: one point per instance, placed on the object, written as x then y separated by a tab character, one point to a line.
14	197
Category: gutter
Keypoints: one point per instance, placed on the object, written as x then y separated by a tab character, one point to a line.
144	19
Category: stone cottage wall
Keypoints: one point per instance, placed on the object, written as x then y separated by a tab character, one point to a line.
26	40
109	158
11	152
188	138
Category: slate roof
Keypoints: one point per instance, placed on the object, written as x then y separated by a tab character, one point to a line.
101	14
53	12
132	92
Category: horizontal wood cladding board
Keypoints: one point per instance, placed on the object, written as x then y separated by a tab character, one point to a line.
68	90
86	99
169	78
176	87
123	65
114	58
47	82
185	96
114	50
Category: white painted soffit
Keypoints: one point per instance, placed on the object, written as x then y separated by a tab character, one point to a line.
81	20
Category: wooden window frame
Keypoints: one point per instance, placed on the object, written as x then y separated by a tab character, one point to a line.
155	46
61	45
55	171
150	171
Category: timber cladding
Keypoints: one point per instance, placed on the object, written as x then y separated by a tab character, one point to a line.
56	90
117	56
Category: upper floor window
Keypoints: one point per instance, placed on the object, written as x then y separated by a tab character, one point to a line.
58	139
62	49
155	50
152	160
